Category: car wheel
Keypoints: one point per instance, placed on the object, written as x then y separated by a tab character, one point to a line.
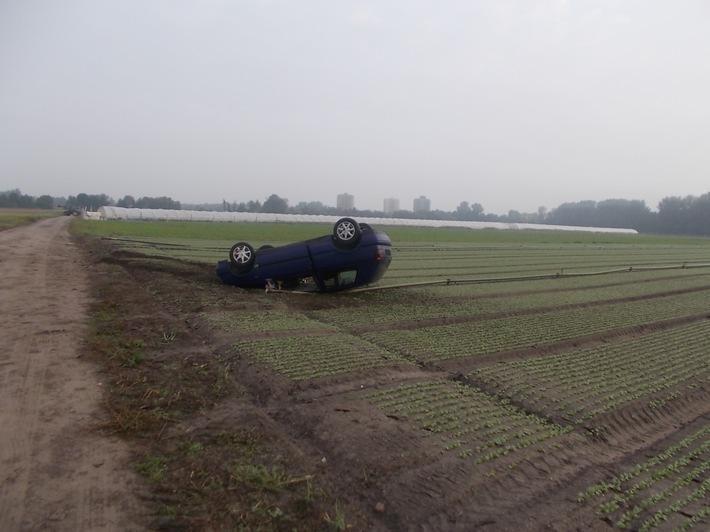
242	256
346	232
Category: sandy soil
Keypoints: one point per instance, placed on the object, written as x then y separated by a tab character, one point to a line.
56	471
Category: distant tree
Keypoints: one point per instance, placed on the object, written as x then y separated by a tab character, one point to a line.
162	202
515	216
23	201
127	201
16	199
580	214
404	214
476	211
82	201
541	214
701	215
44	202
313	207
466	211
463	211
89	201
619	213
275	204
684	216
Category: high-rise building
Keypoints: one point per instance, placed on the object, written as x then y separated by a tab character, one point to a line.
390	206
346	202
422	204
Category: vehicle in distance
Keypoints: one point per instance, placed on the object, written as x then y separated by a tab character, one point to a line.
353	255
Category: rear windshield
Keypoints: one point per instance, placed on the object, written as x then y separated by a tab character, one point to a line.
339	279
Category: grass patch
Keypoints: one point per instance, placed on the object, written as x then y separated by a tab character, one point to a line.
153	468
10	218
233	480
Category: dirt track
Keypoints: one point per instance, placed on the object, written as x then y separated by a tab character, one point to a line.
56	471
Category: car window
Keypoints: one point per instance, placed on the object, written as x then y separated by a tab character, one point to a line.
338	279
347	277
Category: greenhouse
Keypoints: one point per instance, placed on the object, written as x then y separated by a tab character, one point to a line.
120	213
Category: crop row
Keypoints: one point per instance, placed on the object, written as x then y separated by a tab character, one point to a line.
556	284
581	384
406	311
464	420
670	488
492	336
261	321
316	356
489	262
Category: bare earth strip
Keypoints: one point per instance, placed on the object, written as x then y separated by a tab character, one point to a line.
56	471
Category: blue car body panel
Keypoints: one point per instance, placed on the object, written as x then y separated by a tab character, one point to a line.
332	267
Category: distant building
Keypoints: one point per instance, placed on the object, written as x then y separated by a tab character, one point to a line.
390	206
346	202
422	204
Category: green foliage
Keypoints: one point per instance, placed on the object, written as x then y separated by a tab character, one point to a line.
464	420
262	320
673	482
236	479
257	476
337	521
152	467
577	385
16	217
316	356
477	338
210	231
540	295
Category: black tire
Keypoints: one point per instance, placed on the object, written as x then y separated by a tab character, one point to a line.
242	256
347	232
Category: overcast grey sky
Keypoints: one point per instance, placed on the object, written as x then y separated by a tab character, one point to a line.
510	104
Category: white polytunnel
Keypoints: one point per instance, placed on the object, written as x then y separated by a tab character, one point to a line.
121	213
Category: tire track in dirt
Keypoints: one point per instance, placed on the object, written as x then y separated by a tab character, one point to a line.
57	472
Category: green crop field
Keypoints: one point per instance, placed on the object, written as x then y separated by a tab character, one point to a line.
499	348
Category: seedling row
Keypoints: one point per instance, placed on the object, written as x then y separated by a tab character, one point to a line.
466	421
262	321
406	311
493	336
670	489
317	356
581	384
456	262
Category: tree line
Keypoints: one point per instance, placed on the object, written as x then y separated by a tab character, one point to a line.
675	216
15	199
688	215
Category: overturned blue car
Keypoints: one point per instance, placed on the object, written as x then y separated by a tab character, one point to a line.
353	255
